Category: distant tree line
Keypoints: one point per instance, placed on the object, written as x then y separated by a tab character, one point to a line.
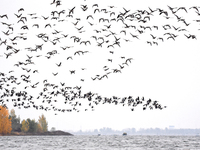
142	131
11	123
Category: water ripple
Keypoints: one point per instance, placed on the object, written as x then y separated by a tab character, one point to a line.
114	142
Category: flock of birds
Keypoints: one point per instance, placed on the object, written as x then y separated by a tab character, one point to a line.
62	37
70	96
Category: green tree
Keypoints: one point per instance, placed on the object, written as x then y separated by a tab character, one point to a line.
53	129
25	126
42	123
16	126
32	125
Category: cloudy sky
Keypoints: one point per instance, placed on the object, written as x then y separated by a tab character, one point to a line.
168	72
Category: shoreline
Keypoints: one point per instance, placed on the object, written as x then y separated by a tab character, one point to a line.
48	133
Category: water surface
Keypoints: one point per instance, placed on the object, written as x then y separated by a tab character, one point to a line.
104	142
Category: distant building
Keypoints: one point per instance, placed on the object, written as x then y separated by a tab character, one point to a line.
171	127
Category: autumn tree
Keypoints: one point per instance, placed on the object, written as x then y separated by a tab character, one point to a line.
25	126
39	128
42	123
5	122
16	126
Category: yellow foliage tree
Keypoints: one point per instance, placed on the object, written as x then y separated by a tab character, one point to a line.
42	123
25	126
5	122
39	128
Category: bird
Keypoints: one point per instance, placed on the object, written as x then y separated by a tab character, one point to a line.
6	33
95	5
153	37
96	10
59	64
37	25
129	60
71	11
21	9
4	16
24	27
55	74
18	16
72	71
69	57
48	25
149	43
181	8
134	36
84	7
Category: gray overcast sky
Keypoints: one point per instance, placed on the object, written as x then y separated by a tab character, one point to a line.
168	73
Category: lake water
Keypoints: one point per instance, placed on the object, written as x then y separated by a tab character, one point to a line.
104	142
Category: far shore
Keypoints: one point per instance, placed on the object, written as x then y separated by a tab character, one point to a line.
48	133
